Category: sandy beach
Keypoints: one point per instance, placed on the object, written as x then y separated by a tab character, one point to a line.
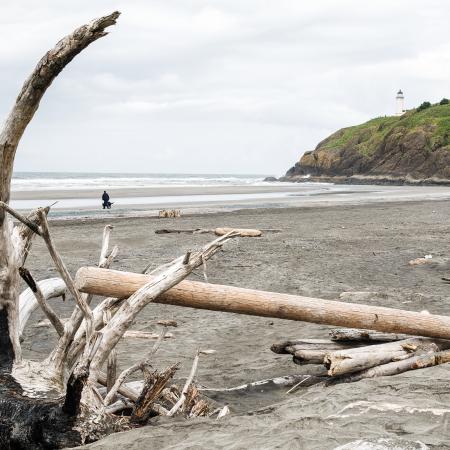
321	252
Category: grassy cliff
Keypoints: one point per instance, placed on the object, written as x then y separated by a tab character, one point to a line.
412	147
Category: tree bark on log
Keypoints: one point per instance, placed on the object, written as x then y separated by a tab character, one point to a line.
216	297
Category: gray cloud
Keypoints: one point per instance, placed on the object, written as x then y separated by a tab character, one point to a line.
217	86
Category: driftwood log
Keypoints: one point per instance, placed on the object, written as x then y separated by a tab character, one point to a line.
353	334
244	232
310	351
216	297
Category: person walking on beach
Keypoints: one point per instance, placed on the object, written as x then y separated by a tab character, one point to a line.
106	202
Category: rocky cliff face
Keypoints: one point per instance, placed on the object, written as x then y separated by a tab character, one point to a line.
412	148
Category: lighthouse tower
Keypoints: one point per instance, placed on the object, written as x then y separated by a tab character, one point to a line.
399	101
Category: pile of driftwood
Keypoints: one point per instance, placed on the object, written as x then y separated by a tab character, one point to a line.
169	214
352	354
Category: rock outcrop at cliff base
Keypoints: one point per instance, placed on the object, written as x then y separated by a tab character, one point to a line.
413	148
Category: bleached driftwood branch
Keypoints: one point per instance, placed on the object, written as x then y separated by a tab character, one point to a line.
179	404
50	288
41	300
17	413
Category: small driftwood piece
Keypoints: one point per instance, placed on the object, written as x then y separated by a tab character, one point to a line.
223	412
354	334
243	232
134	334
184	392
182	231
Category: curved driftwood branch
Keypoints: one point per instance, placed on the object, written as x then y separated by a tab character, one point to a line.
50	288
21	417
14	244
42	301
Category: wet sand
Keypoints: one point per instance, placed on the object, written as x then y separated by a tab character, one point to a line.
145	202
321	252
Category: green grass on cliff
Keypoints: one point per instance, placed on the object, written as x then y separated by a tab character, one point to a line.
435	121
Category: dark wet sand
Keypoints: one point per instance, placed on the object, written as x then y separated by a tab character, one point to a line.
321	252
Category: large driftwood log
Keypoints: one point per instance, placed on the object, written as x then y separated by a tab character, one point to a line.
267	304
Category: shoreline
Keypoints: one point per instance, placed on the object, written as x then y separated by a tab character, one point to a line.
208	200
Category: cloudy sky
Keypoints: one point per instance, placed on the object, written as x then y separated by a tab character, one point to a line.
217	86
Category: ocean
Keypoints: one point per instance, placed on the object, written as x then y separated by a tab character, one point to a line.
35	181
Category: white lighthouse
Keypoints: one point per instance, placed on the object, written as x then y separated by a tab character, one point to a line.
400	103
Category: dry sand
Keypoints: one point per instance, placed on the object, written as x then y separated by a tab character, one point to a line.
321	252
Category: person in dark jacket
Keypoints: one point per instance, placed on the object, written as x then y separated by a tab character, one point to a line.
106	202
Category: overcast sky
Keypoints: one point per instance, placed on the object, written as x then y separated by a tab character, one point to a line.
223	86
